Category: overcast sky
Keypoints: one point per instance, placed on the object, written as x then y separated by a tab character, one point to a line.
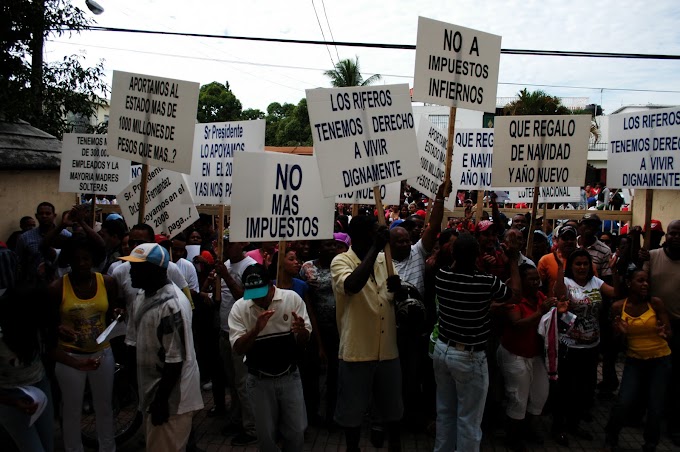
256	78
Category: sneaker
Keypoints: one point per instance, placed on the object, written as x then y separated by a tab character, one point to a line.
243	439
207	386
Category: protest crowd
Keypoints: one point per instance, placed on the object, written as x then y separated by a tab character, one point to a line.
464	336
291	312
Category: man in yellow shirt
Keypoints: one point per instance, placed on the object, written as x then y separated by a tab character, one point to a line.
369	369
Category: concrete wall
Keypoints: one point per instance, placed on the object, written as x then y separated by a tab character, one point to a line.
665	206
22	191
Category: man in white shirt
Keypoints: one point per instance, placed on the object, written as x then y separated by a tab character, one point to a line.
139	234
159	328
269	326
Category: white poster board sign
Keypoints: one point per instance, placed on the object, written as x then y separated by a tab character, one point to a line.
644	150
545	194
389	193
472	159
213	158
456	66
86	167
168	203
152	120
363	136
432	151
544	151
286	203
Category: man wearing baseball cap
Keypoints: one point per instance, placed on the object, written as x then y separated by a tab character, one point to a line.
657	234
268	325
159	327
550	265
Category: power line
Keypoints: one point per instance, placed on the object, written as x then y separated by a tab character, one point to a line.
530	52
329	27
303	68
322	34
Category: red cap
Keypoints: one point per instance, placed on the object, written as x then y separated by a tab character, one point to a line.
160	238
484	225
624	230
656	227
208	257
421	213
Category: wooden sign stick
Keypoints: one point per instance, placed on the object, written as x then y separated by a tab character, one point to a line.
382	222
142	193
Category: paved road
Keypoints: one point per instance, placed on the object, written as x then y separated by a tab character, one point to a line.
209	438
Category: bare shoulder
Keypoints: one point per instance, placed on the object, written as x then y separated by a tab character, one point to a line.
617	307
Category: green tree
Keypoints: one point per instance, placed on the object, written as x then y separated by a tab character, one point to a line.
252	113
288	125
216	103
42	93
535	103
347	72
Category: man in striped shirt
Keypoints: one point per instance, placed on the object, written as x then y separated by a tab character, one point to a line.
460	365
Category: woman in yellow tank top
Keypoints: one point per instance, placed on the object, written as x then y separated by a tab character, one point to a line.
644	323
83	299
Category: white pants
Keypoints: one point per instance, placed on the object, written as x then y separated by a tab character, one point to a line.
526	383
72	384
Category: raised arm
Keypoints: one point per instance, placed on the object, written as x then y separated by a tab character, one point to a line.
435	226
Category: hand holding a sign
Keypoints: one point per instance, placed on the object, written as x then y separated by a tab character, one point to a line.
381	237
393	283
444	190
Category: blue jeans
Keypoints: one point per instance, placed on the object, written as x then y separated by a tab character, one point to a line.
40	436
648	377
462	384
278	405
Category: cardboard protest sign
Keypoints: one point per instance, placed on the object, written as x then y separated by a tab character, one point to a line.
456	66
152	120
389	193
432	151
363	136
168	202
286	203
213	158
644	149
86	167
472	159
545	151
545	194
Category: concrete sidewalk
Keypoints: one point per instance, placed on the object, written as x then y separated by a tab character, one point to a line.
207	431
